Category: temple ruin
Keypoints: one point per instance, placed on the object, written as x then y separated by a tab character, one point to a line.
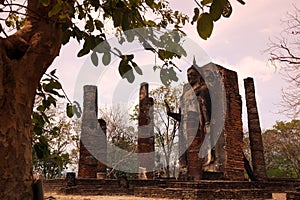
222	161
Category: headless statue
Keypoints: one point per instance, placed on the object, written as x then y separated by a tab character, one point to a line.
203	106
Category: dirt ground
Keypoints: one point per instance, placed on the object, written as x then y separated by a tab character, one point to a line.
54	196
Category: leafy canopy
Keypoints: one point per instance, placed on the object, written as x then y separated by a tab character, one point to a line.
88	22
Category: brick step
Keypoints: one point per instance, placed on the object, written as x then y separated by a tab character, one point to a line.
175	193
293	195
97	191
276	186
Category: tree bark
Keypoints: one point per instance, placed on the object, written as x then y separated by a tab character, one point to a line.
24	57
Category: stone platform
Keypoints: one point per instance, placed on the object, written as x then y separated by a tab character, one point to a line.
206	189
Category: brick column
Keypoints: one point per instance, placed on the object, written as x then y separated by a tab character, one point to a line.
88	163
233	129
146	156
101	167
256	144
195	139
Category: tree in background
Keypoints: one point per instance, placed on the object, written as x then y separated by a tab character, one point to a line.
165	127
121	133
55	137
282	149
57	148
285	54
41	28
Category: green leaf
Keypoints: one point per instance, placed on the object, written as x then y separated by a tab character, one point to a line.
165	55
94	58
205	2
151	23
117	17
41	108
150	3
78	33
66	37
126	71
81	13
164	77
168	75
137	68
53	72
172	74
55	85
205	26
83	51
99	25
56	9
129	36
89	26
227	10
70	111
102	47
9	23
129	76
128	57
95	4
196	15
52	100
216	9
45	2
106	58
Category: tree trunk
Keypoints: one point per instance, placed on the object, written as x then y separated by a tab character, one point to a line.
24	57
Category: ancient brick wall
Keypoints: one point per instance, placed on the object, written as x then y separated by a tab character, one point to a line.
256	144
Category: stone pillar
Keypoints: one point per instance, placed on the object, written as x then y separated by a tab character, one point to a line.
101	167
195	139
88	163
146	156
256	144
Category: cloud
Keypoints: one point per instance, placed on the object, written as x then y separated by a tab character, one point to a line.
252	67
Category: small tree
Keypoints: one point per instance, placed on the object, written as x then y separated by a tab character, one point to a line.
285	54
54	135
165	127
121	134
56	148
282	149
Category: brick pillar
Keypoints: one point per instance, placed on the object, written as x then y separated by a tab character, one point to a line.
88	163
233	128
256	144
195	139
146	156
101	167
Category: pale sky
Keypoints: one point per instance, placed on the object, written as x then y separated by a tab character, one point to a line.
237	43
